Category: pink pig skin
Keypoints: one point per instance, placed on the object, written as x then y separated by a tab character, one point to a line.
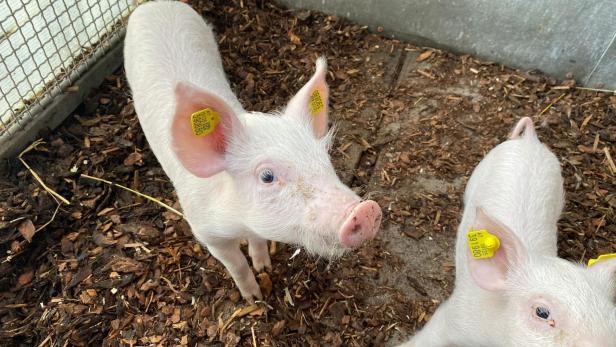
256	176
525	295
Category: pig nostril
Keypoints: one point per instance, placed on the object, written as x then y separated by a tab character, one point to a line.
362	224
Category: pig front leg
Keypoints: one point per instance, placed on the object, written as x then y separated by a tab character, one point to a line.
259	253
230	255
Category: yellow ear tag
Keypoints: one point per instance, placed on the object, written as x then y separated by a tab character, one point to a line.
482	244
204	122
601	257
315	104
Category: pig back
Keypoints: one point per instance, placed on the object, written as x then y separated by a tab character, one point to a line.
167	42
520	184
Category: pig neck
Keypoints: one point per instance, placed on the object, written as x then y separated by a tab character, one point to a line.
476	316
217	210
518	183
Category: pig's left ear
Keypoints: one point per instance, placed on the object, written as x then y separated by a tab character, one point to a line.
605	268
311	101
491	273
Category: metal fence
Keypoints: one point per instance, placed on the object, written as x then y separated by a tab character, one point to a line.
45	45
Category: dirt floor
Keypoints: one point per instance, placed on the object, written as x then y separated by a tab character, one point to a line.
114	269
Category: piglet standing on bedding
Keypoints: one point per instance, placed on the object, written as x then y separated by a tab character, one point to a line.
238	175
524	295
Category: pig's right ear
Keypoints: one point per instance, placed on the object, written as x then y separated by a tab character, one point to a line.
311	101
606	269
491	273
203	156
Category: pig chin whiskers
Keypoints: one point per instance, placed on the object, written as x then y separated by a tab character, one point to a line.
321	244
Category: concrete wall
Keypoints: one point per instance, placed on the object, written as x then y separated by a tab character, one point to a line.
554	36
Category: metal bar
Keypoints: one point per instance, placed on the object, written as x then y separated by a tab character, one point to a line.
607	48
64	103
56	64
48	27
12	116
66	41
10	76
42	48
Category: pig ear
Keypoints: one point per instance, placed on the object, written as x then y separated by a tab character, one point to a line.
491	273
311	101
203	156
605	268
526	126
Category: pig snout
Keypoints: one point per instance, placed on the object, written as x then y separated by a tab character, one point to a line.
362	224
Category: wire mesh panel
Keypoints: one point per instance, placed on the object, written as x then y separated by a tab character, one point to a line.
45	45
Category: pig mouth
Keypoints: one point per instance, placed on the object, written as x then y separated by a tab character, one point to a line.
323	245
360	222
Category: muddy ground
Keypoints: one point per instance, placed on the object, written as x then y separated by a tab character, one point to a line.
114	269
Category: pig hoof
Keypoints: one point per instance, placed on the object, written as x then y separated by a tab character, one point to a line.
250	289
261	262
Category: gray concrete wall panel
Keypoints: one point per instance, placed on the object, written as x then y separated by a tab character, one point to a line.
555	36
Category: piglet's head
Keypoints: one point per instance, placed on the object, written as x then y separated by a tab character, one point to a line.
285	185
550	301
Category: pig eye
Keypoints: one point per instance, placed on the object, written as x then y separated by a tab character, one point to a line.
542	312
267	176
